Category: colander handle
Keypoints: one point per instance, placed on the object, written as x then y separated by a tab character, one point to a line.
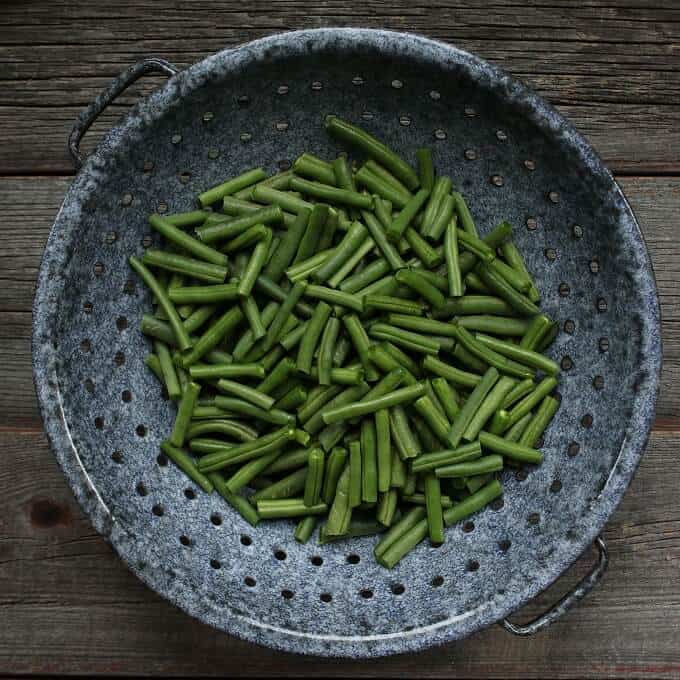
120	84
569	600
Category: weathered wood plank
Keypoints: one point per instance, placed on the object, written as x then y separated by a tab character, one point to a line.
579	57
30	204
74	608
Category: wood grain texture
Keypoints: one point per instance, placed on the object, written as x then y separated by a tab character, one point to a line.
610	66
74	607
30	204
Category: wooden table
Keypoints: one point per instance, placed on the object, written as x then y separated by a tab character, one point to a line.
67	604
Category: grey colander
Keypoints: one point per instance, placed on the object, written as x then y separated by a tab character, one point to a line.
514	158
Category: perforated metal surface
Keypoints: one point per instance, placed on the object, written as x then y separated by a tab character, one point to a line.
514	158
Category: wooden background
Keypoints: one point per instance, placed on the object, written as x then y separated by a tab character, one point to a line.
67	605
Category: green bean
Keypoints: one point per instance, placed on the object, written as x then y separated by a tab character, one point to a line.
403	358
403	544
548	338
181	336
475	304
294	336
463	212
383	449
327	235
540	421
387	507
239	503
490	356
515	260
428	441
436	420
290	507
252	271
154	364
343	173
292	399
468	360
471	406
452	261
437	280
415	342
518	451
476	246
337	460
347	396
411	519
405	441
379	235
168	371
497	284
245	451
401	222
473	282
315	168
361	343
387	285
499	325
197	269
414	280
338	279
250	394
248	410
308	244
318	398
425	168
509	275
231	428
283	199
519	354
451	373
369	465
335	297
378	185
286	487
186	242
385	175
340	511
355	474
204	294
198	317
304	529
429	326
393	304
207	444
284	256
243	348
311	339
331	194
235	207
314	479
187	219
373	148
290	460
428	255
275	329
543	389
448	397
433	504
386	362
185	463
281	181
443	218
437	459
441	189
231	186
277	376
397	471
383	211
517	392
184	413
514	433
352	240
419	499
492	402
326	348
537	329
211	371
364	407
247	238
248	472
480	466
212	336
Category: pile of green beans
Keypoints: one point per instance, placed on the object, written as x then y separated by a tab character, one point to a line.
346	349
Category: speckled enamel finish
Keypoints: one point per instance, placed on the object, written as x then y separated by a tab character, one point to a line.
412	92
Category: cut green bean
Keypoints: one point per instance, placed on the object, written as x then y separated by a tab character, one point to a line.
513	450
199	295
231	186
471	406
514	433
429	326
229	428
464	216
444	457
428	255
441	189
539	422
277	376
340	511
186	242
314	479
452	258
285	254
542	390
305	528
458	377
480	466
433	504
283	199
379	236
326	348
443	218
250	394
402	221
348	396
335	297
312	335
415	342
315	168
379	355
212	336
248	410
331	194
292	399
406	443
355	474
389	303
419	284
537	329
168	371
352	240
289	507
184	414
287	487
385	189
186	463
387	507
475	304
383	449
425	168
369	467
308	245
337	460
435	420
361	343
491	403
520	354
448	397
197	269
500	287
